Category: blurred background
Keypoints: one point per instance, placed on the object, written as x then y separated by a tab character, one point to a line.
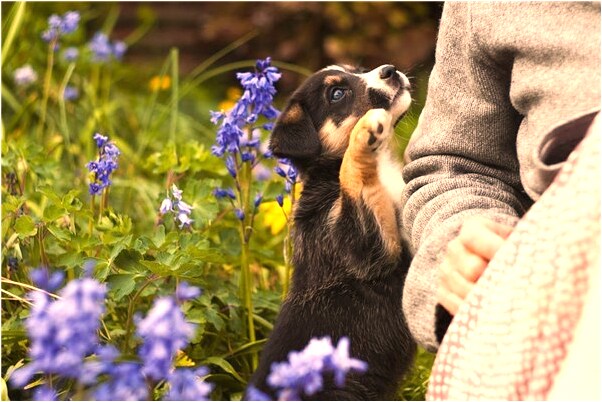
177	61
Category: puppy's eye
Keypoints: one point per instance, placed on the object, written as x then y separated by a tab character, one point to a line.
336	94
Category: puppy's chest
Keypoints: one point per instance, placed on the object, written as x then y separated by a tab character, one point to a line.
389	175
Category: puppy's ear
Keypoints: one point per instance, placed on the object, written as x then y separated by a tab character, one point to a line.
294	135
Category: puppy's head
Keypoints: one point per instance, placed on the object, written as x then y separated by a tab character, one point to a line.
320	115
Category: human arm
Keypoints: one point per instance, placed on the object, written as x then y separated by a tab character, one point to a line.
464	161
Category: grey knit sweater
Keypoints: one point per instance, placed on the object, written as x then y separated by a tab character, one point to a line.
511	93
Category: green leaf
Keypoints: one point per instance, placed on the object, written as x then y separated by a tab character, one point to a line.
25	226
53	212
121	285
60	233
224	365
248	348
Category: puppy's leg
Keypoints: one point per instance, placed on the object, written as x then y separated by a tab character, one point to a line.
359	174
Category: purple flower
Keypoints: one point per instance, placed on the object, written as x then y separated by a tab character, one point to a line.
126	384
302	374
179	207
64	331
58	26
103	50
187	385
100	47
45	280
253	394
257	98
186	292
185	220
164	331
166	206
119	49
44	393
70	54
104	166
69	22
25	76
240	214
223	193
231	165
258	199
70	93
341	363
280	199
100	139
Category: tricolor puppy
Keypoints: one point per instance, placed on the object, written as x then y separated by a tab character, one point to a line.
349	262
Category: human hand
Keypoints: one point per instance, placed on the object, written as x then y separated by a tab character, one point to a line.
466	258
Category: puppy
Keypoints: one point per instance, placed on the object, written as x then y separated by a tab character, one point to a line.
349	262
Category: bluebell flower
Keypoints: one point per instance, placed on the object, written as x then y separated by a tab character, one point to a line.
70	93
223	193
179	207
258	199
231	166
187	385
44	279
303	373
184	207
257	98
58	26
176	192
253	394
44	393
70	54
64	331
25	76
280	199
100	47
69	22
186	292
164	331
240	214
119	49
13	264
166	206
103	50
126	384
104	166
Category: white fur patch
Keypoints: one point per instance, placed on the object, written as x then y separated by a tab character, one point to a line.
389	174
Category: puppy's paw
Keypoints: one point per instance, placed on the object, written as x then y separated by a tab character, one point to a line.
371	130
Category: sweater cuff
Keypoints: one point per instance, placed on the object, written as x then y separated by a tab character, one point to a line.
427	322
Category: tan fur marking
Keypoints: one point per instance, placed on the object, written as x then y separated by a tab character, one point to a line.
336	138
332	80
293	114
335	212
359	180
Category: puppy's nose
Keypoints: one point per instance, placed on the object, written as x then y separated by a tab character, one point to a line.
387	72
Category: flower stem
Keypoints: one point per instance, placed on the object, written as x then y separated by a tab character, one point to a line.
47	80
65	126
173	126
246	282
288	245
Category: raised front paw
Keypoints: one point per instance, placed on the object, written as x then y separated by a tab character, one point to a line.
371	130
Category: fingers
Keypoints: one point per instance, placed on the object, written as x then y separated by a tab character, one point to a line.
466	258
483	237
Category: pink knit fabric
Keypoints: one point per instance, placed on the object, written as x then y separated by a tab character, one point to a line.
509	338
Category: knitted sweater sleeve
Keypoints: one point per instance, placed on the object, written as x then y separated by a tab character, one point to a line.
463	161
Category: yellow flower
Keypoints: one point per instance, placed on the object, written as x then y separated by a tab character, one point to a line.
273	215
232	95
159	83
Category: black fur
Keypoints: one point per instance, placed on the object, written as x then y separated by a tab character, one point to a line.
344	283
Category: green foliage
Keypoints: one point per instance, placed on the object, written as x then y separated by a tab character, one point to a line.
49	218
